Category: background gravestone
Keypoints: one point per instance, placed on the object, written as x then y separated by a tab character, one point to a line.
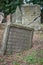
29	13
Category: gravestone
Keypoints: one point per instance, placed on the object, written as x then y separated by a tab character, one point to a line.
17	16
19	39
29	13
2	32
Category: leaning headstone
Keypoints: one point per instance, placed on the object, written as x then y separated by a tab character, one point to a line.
31	15
2	32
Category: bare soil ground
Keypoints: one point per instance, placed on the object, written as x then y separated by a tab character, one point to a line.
27	57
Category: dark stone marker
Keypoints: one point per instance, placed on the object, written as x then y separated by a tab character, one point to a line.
19	39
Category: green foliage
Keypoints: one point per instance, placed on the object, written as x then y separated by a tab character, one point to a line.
32	59
15	63
9	6
40	60
1	60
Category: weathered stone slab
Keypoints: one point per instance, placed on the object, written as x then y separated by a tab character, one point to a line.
2	30
29	13
19	39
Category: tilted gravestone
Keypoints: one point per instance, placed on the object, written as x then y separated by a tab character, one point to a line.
2	36
19	38
31	16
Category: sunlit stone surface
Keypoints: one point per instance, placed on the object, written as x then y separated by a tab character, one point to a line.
29	13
